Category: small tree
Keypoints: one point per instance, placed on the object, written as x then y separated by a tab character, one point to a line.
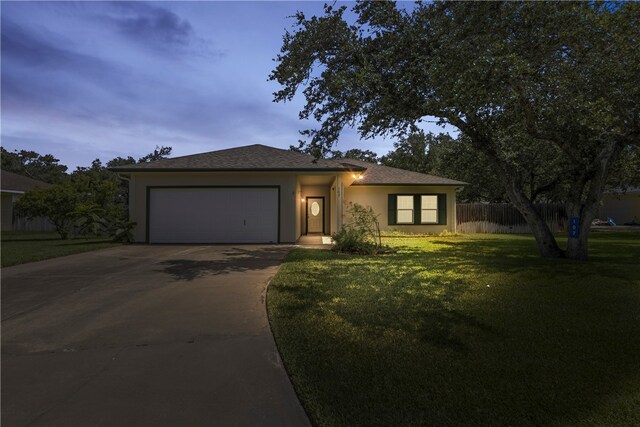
57	203
361	233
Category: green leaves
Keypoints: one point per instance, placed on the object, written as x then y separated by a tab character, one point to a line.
361	232
29	163
57	203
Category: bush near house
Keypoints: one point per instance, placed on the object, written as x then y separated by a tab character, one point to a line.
361	233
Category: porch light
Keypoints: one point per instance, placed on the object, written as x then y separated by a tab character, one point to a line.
302	199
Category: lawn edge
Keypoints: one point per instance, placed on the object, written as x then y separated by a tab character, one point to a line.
273	336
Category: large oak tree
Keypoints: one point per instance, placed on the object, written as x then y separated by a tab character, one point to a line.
558	81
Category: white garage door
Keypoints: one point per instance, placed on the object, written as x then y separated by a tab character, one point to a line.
213	215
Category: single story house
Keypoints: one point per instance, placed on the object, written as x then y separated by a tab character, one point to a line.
12	186
260	194
621	206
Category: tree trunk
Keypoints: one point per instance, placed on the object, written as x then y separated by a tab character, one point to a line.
577	246
546	241
584	208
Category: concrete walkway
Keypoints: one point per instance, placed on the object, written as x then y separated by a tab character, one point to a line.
315	240
144	335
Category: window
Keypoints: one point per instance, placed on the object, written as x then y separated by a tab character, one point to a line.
405	210
417	209
429	209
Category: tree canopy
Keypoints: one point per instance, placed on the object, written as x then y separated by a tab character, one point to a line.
44	168
543	88
90	200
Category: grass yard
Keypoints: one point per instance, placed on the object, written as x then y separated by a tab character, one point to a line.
21	247
466	330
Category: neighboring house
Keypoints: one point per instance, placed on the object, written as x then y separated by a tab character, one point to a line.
621	206
260	194
12	186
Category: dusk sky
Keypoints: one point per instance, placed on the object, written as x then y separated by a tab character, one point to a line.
90	80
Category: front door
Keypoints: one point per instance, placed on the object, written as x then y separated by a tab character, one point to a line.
315	214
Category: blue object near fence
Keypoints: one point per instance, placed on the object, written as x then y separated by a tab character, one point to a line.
574	227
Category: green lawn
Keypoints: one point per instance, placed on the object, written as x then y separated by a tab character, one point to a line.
466	330
22	247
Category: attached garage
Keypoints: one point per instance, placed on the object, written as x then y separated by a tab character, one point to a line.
213	214
260	194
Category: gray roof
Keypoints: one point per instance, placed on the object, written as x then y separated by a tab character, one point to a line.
249	158
262	158
385	175
10	181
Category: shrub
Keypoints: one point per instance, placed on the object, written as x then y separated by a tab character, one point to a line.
56	203
349	239
123	231
361	233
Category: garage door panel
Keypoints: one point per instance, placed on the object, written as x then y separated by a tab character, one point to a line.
213	215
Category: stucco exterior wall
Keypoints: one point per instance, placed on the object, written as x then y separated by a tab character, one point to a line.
377	198
139	183
298	208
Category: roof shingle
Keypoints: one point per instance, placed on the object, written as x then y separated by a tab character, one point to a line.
251	157
263	158
385	175
10	181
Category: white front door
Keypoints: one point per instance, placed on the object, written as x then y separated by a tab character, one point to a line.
315	214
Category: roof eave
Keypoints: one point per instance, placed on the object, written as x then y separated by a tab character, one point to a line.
387	184
234	170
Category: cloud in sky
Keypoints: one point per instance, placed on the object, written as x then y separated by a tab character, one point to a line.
152	24
82	80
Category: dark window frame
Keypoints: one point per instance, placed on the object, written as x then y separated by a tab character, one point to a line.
441	209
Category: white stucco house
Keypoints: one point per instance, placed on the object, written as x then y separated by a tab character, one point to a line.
261	194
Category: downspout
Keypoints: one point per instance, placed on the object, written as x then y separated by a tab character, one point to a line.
455	209
339	207
131	195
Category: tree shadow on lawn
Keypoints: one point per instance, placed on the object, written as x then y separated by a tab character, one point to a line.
556	359
406	299
235	260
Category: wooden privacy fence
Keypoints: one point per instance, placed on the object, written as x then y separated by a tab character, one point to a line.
504	218
40	224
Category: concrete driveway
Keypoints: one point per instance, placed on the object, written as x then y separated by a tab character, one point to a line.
144	335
